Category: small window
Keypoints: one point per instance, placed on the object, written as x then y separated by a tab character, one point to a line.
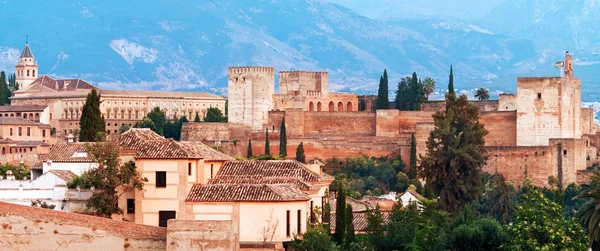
10	131
28	131
43	133
190	169
20	131
299	222
164	216
564	152
161	179
539	95
130	206
287	223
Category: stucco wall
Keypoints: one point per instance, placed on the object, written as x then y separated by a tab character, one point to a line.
202	235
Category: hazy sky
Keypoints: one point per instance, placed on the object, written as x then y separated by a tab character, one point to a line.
395	9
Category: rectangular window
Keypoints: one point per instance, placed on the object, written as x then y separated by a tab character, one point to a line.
50	116
20	131
564	152
299	227
539	95
28	131
130	206
190	169
10	131
164	216
287	223
43	133
312	212
161	179
211	171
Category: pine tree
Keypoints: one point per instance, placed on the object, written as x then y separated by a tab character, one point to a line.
451	82
412	172
249	155
214	114
350	235
340	213
382	93
267	147
300	153
455	154
92	125
197	119
282	139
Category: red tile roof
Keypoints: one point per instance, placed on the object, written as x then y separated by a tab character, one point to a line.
245	193
292	181
113	227
22	108
64	152
201	150
260	169
63	84
359	220
63	174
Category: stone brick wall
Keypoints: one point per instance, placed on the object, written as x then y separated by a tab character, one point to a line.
250	92
302	82
339	123
502	128
518	163
588	126
214	235
192	131
507	102
484	105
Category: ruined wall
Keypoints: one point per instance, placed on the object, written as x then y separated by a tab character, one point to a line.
547	108
217	235
502	128
518	163
250	91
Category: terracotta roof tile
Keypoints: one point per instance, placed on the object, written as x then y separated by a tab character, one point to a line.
30	144
38	165
359	220
22	108
203	151
20	121
117	228
63	174
64	152
260	169
239	180
245	193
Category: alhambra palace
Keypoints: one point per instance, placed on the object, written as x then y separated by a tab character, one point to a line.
197	195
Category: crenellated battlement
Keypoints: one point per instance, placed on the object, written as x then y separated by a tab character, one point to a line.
303	74
250	69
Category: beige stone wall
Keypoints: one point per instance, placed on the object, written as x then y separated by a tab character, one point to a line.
20	234
507	102
213	235
250	91
192	131
304	83
587	121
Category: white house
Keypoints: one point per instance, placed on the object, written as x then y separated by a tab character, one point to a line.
410	196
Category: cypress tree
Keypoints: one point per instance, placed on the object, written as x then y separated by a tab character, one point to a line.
412	172
340	213
249	149
350	235
267	147
3	89
382	93
197	119
451	81
91	121
300	153
282	139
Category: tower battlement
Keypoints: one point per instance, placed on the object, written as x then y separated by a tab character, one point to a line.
250	69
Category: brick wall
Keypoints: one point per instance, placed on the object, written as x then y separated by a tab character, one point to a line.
202	235
339	123
518	163
502	128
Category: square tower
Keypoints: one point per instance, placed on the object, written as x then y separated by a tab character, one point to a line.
250	94
303	83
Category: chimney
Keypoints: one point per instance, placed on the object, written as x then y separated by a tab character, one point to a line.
70	138
315	166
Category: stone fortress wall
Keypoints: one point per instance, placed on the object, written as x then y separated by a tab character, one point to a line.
538	132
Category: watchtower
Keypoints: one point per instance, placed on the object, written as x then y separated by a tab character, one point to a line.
251	90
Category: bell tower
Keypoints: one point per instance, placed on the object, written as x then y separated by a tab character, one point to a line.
26	68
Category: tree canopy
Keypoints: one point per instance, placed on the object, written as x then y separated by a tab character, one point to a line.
382	92
482	94
92	126
214	114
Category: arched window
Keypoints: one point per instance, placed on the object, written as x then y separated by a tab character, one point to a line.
340	107
349	107
25	116
319	107
311	107
331	106
27	73
33	73
37	117
3	150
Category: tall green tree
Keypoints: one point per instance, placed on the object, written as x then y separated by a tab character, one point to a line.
267	146
482	94
300	153
429	85
249	155
197	118
340	213
155	120
417	93
4	90
12	80
403	94
501	199
92	125
589	213
382	94
455	154
412	171
539	225
214	114
374	226
282	139
350	235
451	82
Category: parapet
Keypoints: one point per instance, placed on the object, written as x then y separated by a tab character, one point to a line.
250	69
303	74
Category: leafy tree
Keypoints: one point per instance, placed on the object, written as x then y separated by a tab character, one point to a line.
316	238
300	153
539	225
340	213
374	227
484	234
267	147
455	154
249	155
382	94
197	118
482	94
403	94
155	120
147	123
589	213
92	125
350	236
451	82
501	199
412	172
282	139
429	85
570	204
213	114
402	181
109	178
172	129
20	172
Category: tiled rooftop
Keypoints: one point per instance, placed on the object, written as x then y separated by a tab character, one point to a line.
113	227
63	152
22	108
239	180
260	169
245	193
201	150
20	121
63	174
